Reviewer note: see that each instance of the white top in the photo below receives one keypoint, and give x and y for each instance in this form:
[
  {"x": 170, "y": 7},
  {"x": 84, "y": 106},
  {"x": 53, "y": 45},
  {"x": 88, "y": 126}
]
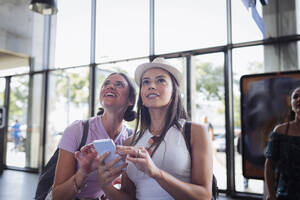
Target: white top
[{"x": 171, "y": 156}]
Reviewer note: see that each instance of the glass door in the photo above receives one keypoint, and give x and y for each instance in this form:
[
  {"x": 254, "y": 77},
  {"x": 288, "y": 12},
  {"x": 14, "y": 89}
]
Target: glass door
[
  {"x": 2, "y": 116},
  {"x": 17, "y": 122}
]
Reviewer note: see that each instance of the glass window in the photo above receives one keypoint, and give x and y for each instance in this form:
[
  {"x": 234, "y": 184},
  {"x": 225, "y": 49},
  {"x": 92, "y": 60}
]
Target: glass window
[
  {"x": 73, "y": 33},
  {"x": 17, "y": 137},
  {"x": 208, "y": 106},
  {"x": 122, "y": 30},
  {"x": 190, "y": 24},
  {"x": 268, "y": 58},
  {"x": 2, "y": 91},
  {"x": 244, "y": 64},
  {"x": 244, "y": 27},
  {"x": 68, "y": 95},
  {"x": 279, "y": 18},
  {"x": 35, "y": 131}
]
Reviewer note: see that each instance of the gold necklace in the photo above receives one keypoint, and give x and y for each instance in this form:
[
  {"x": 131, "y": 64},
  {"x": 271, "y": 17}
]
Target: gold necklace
[{"x": 155, "y": 132}]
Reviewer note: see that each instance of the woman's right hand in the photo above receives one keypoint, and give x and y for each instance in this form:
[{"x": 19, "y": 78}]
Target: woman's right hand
[
  {"x": 106, "y": 172},
  {"x": 86, "y": 158}
]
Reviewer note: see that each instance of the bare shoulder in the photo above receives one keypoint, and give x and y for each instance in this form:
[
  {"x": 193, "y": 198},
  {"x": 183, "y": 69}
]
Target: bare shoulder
[
  {"x": 280, "y": 128},
  {"x": 198, "y": 128},
  {"x": 198, "y": 132}
]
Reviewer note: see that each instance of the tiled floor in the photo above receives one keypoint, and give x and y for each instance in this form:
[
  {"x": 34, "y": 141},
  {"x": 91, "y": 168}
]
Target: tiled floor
[{"x": 19, "y": 185}]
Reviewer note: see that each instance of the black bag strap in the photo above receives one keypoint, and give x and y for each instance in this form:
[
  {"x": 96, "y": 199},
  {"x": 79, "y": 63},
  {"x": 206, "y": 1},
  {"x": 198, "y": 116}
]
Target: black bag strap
[
  {"x": 187, "y": 133},
  {"x": 85, "y": 124}
]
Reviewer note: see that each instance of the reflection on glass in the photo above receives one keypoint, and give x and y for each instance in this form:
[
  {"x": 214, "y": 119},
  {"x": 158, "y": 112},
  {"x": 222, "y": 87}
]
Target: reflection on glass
[
  {"x": 122, "y": 30},
  {"x": 203, "y": 26},
  {"x": 73, "y": 33},
  {"x": 208, "y": 106},
  {"x": 67, "y": 101},
  {"x": 17, "y": 122}
]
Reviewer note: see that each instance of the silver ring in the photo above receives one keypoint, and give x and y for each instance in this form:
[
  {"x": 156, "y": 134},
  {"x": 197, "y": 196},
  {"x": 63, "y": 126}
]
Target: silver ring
[{"x": 139, "y": 153}]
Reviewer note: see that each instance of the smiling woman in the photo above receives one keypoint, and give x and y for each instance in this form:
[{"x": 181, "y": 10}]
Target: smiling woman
[{"x": 76, "y": 175}]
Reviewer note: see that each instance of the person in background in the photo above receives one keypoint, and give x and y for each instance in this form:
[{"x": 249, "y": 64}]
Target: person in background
[
  {"x": 160, "y": 166},
  {"x": 282, "y": 166},
  {"x": 16, "y": 135},
  {"x": 209, "y": 127},
  {"x": 117, "y": 97}
]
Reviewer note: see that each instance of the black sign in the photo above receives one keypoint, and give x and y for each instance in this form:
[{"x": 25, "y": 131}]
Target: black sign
[{"x": 2, "y": 116}]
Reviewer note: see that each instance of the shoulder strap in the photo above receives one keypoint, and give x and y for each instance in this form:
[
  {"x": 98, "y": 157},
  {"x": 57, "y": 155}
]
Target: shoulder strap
[
  {"x": 287, "y": 128},
  {"x": 187, "y": 133},
  {"x": 85, "y": 124}
]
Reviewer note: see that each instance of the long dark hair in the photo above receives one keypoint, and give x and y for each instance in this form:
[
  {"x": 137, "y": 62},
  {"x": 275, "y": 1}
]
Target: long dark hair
[
  {"x": 175, "y": 112},
  {"x": 129, "y": 114},
  {"x": 292, "y": 114}
]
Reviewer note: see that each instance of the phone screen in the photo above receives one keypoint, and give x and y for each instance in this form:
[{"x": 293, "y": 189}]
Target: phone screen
[{"x": 107, "y": 145}]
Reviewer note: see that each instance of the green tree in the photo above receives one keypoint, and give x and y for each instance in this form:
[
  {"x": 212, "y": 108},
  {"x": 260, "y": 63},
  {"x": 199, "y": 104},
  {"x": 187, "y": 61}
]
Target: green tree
[
  {"x": 18, "y": 99},
  {"x": 210, "y": 81},
  {"x": 73, "y": 85}
]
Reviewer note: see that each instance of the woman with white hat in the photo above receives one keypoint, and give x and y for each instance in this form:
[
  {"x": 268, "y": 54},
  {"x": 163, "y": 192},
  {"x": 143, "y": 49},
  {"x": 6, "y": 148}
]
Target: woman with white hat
[{"x": 160, "y": 166}]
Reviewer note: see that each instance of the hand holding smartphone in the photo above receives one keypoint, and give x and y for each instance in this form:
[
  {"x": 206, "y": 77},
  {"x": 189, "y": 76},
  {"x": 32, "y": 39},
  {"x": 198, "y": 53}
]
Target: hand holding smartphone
[{"x": 105, "y": 145}]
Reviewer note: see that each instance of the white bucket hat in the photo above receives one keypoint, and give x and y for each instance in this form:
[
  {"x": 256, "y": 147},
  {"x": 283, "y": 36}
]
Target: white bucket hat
[{"x": 157, "y": 63}]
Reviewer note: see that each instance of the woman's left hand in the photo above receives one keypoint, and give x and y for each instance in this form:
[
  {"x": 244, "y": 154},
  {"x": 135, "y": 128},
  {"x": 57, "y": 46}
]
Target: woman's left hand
[{"x": 140, "y": 157}]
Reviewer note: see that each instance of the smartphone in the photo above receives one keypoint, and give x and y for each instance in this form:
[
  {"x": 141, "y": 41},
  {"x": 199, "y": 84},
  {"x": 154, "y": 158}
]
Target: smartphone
[{"x": 105, "y": 145}]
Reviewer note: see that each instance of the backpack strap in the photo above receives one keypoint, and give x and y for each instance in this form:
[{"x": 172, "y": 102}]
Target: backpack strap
[
  {"x": 85, "y": 124},
  {"x": 187, "y": 134}
]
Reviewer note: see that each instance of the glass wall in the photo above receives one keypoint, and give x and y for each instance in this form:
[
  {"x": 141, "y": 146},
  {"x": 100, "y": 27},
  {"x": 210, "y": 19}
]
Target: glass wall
[
  {"x": 190, "y": 24},
  {"x": 2, "y": 91},
  {"x": 244, "y": 64},
  {"x": 35, "y": 130},
  {"x": 73, "y": 31},
  {"x": 208, "y": 106},
  {"x": 277, "y": 18},
  {"x": 68, "y": 95},
  {"x": 17, "y": 122},
  {"x": 122, "y": 29}
]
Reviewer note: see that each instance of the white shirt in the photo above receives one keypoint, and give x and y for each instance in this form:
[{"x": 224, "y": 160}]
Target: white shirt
[{"x": 171, "y": 156}]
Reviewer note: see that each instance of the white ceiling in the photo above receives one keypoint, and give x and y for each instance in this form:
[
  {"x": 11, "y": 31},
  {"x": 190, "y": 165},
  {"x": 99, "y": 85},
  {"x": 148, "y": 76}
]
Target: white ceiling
[{"x": 9, "y": 60}]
